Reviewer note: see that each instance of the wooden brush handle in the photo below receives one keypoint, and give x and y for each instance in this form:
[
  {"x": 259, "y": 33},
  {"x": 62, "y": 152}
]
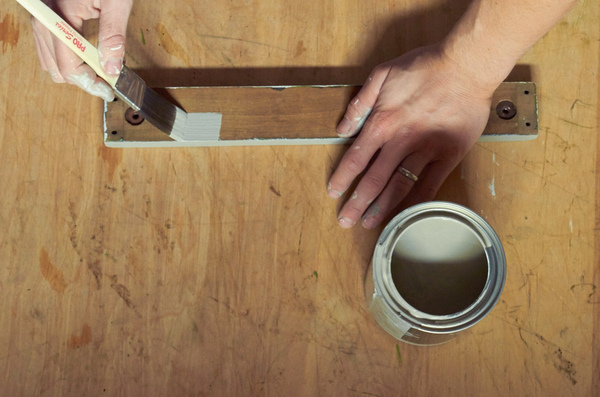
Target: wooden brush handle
[{"x": 69, "y": 36}]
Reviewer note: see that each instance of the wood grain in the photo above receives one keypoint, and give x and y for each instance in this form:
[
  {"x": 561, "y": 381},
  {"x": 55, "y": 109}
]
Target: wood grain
[{"x": 222, "y": 271}]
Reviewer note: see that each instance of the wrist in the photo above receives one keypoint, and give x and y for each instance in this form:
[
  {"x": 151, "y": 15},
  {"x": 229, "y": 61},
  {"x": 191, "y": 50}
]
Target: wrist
[
  {"x": 492, "y": 36},
  {"x": 477, "y": 60}
]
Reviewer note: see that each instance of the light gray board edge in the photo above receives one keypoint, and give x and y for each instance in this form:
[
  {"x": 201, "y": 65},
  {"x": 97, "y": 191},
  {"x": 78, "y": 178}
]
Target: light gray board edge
[
  {"x": 237, "y": 142},
  {"x": 279, "y": 142}
]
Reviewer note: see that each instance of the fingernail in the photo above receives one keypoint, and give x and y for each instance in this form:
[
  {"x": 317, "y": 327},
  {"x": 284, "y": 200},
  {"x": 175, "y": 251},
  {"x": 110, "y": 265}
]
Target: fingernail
[
  {"x": 334, "y": 194},
  {"x": 113, "y": 66},
  {"x": 368, "y": 222},
  {"x": 344, "y": 127},
  {"x": 368, "y": 219},
  {"x": 346, "y": 223}
]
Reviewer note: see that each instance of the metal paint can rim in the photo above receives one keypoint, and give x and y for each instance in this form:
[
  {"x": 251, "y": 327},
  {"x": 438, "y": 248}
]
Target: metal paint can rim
[{"x": 398, "y": 310}]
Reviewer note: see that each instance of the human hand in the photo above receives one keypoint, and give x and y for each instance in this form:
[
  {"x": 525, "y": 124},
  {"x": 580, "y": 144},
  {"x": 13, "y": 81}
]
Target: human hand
[
  {"x": 63, "y": 65},
  {"x": 420, "y": 112}
]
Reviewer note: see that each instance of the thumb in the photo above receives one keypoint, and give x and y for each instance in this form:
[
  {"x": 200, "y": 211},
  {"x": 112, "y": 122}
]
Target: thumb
[
  {"x": 114, "y": 15},
  {"x": 362, "y": 104}
]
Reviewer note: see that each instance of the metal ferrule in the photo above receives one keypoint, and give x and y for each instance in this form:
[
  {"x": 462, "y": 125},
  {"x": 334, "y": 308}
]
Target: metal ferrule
[{"x": 130, "y": 88}]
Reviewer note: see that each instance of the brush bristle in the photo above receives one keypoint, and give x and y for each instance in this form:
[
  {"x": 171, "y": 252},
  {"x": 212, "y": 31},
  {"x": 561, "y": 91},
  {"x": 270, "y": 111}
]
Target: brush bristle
[{"x": 162, "y": 114}]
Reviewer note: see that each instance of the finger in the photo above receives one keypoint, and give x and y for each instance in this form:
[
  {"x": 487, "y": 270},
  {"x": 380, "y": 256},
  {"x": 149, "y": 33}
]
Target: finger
[
  {"x": 380, "y": 125},
  {"x": 370, "y": 186},
  {"x": 354, "y": 161},
  {"x": 432, "y": 179},
  {"x": 38, "y": 48},
  {"x": 362, "y": 104},
  {"x": 74, "y": 71},
  {"x": 396, "y": 190},
  {"x": 45, "y": 51},
  {"x": 85, "y": 78},
  {"x": 40, "y": 53},
  {"x": 111, "y": 35}
]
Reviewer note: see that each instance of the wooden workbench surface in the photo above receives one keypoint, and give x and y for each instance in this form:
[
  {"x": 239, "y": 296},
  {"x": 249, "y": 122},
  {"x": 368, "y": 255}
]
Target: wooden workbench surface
[{"x": 222, "y": 271}]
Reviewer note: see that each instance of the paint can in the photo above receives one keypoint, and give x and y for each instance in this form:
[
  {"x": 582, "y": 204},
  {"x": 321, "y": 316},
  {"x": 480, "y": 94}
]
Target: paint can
[{"x": 438, "y": 268}]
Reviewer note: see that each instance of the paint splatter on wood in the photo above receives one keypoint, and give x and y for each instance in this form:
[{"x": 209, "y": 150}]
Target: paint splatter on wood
[
  {"x": 85, "y": 338},
  {"x": 53, "y": 275},
  {"x": 9, "y": 32},
  {"x": 399, "y": 354},
  {"x": 172, "y": 46},
  {"x": 112, "y": 158}
]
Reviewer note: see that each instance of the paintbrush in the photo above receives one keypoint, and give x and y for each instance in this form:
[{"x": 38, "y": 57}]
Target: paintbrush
[{"x": 128, "y": 86}]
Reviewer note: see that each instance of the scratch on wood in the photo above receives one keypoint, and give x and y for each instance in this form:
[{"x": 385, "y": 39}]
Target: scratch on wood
[
  {"x": 579, "y": 102},
  {"x": 577, "y": 125},
  {"x": 521, "y": 336},
  {"x": 208, "y": 36},
  {"x": 94, "y": 267},
  {"x": 275, "y": 191},
  {"x": 565, "y": 366},
  {"x": 123, "y": 293},
  {"x": 365, "y": 393}
]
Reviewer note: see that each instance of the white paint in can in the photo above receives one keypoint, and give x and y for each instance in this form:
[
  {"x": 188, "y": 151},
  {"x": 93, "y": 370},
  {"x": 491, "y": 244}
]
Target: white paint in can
[{"x": 438, "y": 268}]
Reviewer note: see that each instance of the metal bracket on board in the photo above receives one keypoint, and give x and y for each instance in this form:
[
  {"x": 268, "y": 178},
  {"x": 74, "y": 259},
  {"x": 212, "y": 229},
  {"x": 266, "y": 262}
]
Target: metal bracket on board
[{"x": 294, "y": 115}]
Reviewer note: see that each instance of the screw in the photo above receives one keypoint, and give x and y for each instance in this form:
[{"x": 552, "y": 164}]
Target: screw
[
  {"x": 133, "y": 117},
  {"x": 506, "y": 110}
]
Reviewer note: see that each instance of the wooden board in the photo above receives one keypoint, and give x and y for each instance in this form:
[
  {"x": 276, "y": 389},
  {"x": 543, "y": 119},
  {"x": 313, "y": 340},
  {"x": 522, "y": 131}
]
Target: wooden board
[
  {"x": 292, "y": 115},
  {"x": 221, "y": 271}
]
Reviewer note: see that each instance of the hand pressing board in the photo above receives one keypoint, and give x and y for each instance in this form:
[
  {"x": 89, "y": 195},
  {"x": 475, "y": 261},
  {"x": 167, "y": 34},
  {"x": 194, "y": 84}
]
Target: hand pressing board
[{"x": 291, "y": 115}]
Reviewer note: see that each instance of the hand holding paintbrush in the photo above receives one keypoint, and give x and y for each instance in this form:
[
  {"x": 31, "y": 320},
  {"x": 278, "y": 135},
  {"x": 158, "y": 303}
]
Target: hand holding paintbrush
[
  {"x": 106, "y": 63},
  {"x": 64, "y": 65}
]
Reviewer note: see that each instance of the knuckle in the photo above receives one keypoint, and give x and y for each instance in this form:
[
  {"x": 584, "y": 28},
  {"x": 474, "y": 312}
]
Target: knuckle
[
  {"x": 379, "y": 69},
  {"x": 354, "y": 108},
  {"x": 354, "y": 211},
  {"x": 354, "y": 164},
  {"x": 374, "y": 182},
  {"x": 382, "y": 121},
  {"x": 378, "y": 132},
  {"x": 112, "y": 41}
]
